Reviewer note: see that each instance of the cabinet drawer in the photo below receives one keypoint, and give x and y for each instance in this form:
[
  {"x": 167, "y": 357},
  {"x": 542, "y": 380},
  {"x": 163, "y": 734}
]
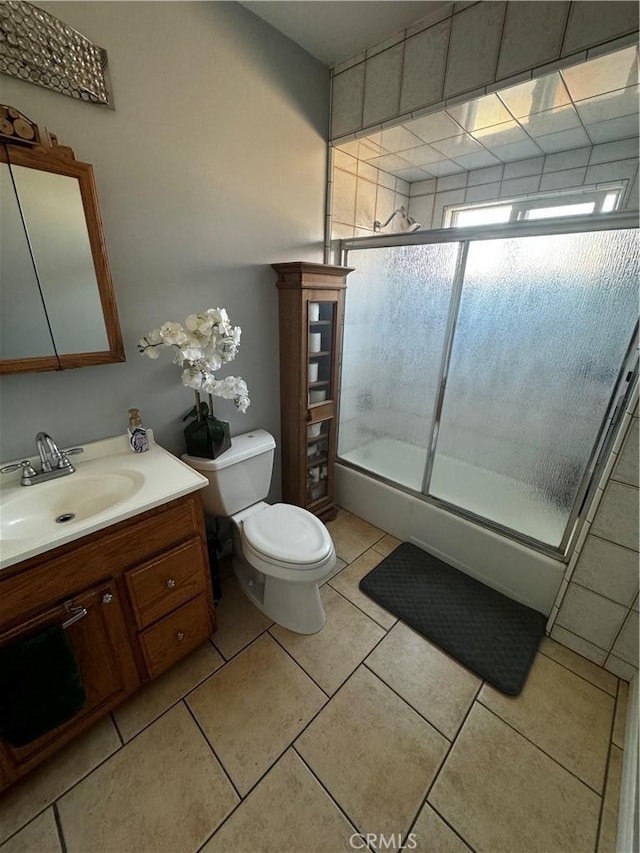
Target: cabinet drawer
[
  {"x": 175, "y": 635},
  {"x": 159, "y": 586}
]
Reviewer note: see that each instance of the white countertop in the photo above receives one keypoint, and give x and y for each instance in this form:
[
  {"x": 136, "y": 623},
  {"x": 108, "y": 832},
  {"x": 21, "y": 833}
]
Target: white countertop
[{"x": 27, "y": 513}]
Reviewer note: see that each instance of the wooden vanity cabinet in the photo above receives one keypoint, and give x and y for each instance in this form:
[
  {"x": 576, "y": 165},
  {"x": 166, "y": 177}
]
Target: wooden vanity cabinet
[
  {"x": 146, "y": 587},
  {"x": 311, "y": 299}
]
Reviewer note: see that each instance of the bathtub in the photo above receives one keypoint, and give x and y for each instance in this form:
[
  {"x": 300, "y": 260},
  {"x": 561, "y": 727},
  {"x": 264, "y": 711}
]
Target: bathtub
[{"x": 520, "y": 572}]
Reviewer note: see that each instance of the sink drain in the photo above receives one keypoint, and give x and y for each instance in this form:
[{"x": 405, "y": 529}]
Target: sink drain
[{"x": 66, "y": 516}]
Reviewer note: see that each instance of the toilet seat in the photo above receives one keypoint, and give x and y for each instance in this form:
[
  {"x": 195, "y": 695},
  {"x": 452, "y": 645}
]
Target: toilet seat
[{"x": 288, "y": 536}]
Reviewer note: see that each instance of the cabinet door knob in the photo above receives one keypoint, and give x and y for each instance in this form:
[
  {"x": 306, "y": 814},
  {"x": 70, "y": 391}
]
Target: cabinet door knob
[
  {"x": 107, "y": 598},
  {"x": 180, "y": 636},
  {"x": 171, "y": 583}
]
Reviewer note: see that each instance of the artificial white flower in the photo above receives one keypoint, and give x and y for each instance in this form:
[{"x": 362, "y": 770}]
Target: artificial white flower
[{"x": 172, "y": 333}]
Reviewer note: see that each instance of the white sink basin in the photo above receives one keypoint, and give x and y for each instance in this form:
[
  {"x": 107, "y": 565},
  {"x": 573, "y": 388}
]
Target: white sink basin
[
  {"x": 65, "y": 501},
  {"x": 110, "y": 484}
]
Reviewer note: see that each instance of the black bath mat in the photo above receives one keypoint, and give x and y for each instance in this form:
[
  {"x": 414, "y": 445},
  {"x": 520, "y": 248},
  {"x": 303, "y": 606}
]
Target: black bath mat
[{"x": 491, "y": 634}]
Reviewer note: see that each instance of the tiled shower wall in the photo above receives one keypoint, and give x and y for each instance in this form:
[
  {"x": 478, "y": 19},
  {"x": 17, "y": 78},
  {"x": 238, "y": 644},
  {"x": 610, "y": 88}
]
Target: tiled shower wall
[
  {"x": 360, "y": 194},
  {"x": 465, "y": 50},
  {"x": 598, "y": 601},
  {"x": 564, "y": 171}
]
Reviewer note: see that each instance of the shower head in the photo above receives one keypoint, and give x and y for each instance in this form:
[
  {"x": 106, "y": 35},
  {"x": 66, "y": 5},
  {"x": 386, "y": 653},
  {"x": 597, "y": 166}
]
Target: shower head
[{"x": 407, "y": 223}]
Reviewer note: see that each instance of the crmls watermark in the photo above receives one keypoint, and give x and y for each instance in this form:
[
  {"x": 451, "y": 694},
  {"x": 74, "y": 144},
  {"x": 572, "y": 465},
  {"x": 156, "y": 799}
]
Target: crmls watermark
[{"x": 360, "y": 841}]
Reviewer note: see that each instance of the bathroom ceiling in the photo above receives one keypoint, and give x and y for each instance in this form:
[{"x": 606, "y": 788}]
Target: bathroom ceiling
[
  {"x": 335, "y": 30},
  {"x": 587, "y": 104}
]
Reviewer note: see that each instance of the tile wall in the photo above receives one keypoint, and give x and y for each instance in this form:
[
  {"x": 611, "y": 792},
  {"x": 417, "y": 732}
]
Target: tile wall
[
  {"x": 596, "y": 612},
  {"x": 429, "y": 65},
  {"x": 563, "y": 171}
]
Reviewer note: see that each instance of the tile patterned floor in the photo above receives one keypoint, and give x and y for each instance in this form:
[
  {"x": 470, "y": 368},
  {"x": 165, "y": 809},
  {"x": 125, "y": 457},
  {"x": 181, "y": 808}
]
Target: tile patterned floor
[{"x": 264, "y": 740}]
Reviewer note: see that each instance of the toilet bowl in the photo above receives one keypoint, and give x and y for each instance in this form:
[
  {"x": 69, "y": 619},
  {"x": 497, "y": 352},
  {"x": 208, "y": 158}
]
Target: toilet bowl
[{"x": 281, "y": 552}]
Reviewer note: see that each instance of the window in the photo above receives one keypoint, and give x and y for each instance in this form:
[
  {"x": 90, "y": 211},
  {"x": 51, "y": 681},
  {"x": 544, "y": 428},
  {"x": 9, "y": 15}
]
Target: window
[{"x": 540, "y": 206}]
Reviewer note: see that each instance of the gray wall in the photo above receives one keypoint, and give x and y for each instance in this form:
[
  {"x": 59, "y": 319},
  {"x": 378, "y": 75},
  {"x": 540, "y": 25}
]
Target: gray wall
[{"x": 211, "y": 167}]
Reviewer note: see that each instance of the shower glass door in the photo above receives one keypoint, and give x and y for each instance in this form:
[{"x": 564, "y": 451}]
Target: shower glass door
[
  {"x": 396, "y": 313},
  {"x": 481, "y": 371},
  {"x": 542, "y": 330}
]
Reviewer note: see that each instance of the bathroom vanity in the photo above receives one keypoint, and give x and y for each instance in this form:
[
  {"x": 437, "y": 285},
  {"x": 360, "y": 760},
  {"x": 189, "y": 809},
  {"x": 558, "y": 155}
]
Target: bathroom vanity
[{"x": 133, "y": 593}]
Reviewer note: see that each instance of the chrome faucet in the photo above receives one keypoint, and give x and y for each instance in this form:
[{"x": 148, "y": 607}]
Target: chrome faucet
[{"x": 53, "y": 462}]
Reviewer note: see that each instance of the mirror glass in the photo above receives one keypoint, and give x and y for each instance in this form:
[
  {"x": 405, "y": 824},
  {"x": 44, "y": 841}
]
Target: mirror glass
[
  {"x": 23, "y": 333},
  {"x": 55, "y": 222}
]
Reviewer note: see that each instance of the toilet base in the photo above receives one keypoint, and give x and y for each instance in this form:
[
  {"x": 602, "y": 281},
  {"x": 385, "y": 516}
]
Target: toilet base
[{"x": 293, "y": 605}]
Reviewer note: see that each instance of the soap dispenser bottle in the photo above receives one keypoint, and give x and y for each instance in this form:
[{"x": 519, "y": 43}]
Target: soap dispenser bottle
[{"x": 138, "y": 438}]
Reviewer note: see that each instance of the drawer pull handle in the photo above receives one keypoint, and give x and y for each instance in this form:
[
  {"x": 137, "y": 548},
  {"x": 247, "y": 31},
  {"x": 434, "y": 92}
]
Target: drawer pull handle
[
  {"x": 180, "y": 636},
  {"x": 107, "y": 598},
  {"x": 171, "y": 583}
]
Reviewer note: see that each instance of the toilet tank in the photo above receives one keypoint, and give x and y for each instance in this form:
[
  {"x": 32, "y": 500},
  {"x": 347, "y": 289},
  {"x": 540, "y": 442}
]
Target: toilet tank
[{"x": 240, "y": 477}]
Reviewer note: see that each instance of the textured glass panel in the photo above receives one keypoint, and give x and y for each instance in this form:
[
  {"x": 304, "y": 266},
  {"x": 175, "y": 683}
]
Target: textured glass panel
[
  {"x": 542, "y": 331},
  {"x": 395, "y": 321}
]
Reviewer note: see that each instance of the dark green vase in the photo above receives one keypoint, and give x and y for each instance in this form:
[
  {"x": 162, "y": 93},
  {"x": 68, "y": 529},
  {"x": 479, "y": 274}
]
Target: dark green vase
[{"x": 206, "y": 436}]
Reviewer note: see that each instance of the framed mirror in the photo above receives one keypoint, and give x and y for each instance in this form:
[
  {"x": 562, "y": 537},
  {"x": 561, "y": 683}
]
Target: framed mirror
[{"x": 57, "y": 305}]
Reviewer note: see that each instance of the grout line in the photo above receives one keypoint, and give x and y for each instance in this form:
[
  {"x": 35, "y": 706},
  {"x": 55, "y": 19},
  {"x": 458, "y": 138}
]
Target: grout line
[
  {"x": 324, "y": 787},
  {"x": 299, "y": 665},
  {"x": 564, "y": 31},
  {"x": 115, "y": 725},
  {"x": 568, "y": 668},
  {"x": 501, "y": 42},
  {"x": 437, "y": 773},
  {"x": 360, "y": 608},
  {"x": 539, "y": 748},
  {"x": 606, "y": 771},
  {"x": 56, "y": 815},
  {"x": 209, "y": 744},
  {"x": 611, "y": 541},
  {"x": 602, "y": 595}
]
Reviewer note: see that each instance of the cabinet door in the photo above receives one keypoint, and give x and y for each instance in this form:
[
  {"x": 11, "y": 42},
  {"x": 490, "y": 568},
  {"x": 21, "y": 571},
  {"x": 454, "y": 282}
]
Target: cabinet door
[{"x": 101, "y": 646}]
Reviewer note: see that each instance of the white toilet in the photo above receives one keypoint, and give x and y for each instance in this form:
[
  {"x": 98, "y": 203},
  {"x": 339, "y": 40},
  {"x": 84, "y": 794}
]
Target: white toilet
[{"x": 280, "y": 552}]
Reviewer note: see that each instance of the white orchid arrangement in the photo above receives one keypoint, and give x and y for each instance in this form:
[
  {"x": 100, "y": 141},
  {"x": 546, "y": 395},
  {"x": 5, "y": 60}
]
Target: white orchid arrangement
[{"x": 203, "y": 344}]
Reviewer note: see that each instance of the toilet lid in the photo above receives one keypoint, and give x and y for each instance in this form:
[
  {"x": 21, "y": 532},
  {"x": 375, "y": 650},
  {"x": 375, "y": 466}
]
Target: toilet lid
[{"x": 288, "y": 534}]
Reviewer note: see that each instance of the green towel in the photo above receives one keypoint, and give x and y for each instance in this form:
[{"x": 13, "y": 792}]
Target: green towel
[{"x": 40, "y": 685}]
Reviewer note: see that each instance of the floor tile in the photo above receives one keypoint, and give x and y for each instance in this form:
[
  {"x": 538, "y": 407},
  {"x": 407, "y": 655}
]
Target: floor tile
[
  {"x": 347, "y": 584},
  {"x": 253, "y": 708},
  {"x": 609, "y": 821},
  {"x": 239, "y": 622},
  {"x": 352, "y": 535},
  {"x": 386, "y": 545},
  {"x": 566, "y": 716},
  {"x": 339, "y": 566},
  {"x": 39, "y": 836},
  {"x": 430, "y": 834},
  {"x": 433, "y": 683},
  {"x": 373, "y": 753},
  {"x": 164, "y": 791},
  {"x": 39, "y": 789},
  {"x": 620, "y": 722},
  {"x": 287, "y": 811},
  {"x": 157, "y": 696},
  {"x": 581, "y": 666},
  {"x": 496, "y": 788},
  {"x": 331, "y": 655}
]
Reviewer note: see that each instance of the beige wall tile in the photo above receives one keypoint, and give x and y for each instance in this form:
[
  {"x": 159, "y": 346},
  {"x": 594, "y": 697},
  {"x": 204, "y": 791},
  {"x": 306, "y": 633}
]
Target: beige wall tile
[
  {"x": 595, "y": 23},
  {"x": 577, "y": 644},
  {"x": 252, "y": 709},
  {"x": 591, "y": 616},
  {"x": 344, "y": 196},
  {"x": 480, "y": 26},
  {"x": 425, "y": 57},
  {"x": 626, "y": 645},
  {"x": 365, "y": 203},
  {"x": 620, "y": 721},
  {"x": 347, "y": 584},
  {"x": 430, "y": 834},
  {"x": 352, "y": 535},
  {"x": 373, "y": 753},
  {"x": 331, "y": 655},
  {"x": 626, "y": 470},
  {"x": 580, "y": 665},
  {"x": 347, "y": 92},
  {"x": 239, "y": 622},
  {"x": 495, "y": 787},
  {"x": 608, "y": 569},
  {"x": 620, "y": 667},
  {"x": 157, "y": 696},
  {"x": 609, "y": 821},
  {"x": 26, "y": 798},
  {"x": 433, "y": 683},
  {"x": 288, "y": 810},
  {"x": 532, "y": 35},
  {"x": 382, "y": 85},
  {"x": 39, "y": 836},
  {"x": 163, "y": 791},
  {"x": 567, "y": 717}
]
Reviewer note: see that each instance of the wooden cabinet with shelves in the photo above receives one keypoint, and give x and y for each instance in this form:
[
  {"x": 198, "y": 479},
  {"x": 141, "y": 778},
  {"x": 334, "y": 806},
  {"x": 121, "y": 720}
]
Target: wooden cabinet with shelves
[
  {"x": 141, "y": 592},
  {"x": 311, "y": 299}
]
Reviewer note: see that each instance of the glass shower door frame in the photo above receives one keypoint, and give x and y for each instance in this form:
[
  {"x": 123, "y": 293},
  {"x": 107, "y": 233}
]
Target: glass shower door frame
[{"x": 626, "y": 380}]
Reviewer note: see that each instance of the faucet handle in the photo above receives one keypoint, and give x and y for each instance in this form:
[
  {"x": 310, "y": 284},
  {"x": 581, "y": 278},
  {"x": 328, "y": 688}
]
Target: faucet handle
[
  {"x": 63, "y": 461},
  {"x": 72, "y": 451},
  {"x": 28, "y": 470}
]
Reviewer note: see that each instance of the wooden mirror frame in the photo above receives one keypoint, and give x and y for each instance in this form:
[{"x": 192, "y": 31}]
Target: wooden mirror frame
[{"x": 46, "y": 155}]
